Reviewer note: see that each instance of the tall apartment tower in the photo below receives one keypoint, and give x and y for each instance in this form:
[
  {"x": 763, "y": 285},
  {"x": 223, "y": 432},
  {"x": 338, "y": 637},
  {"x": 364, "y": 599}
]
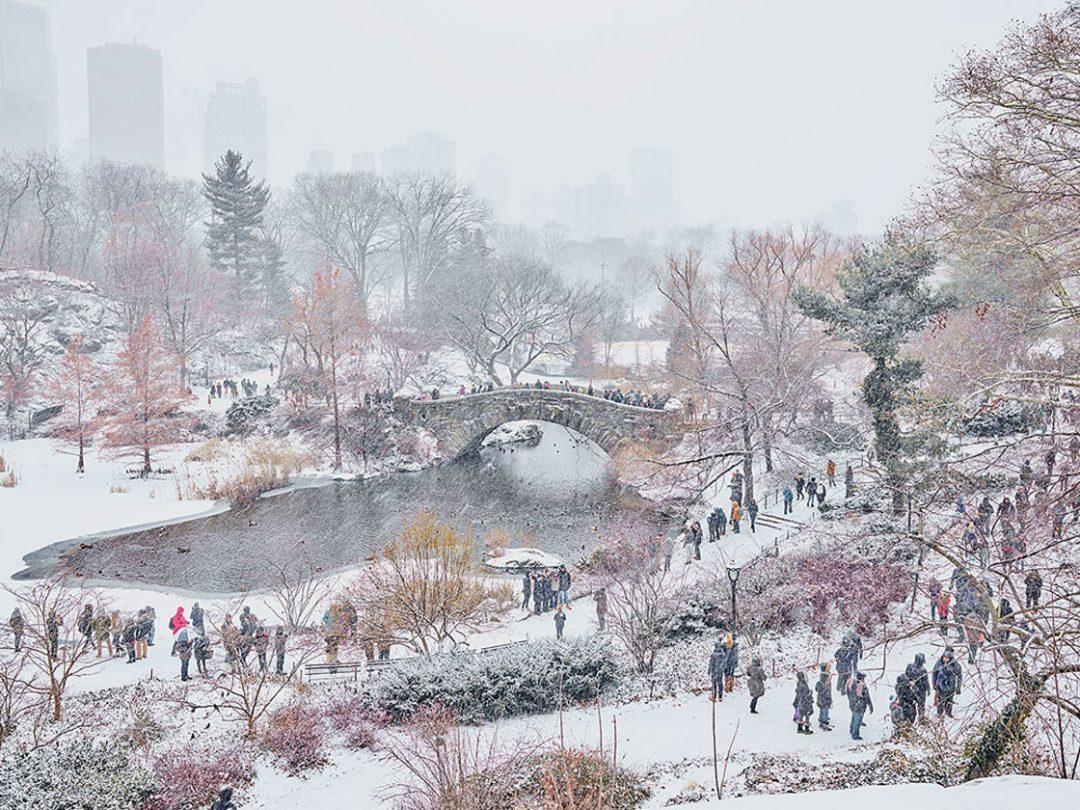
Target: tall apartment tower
[
  {"x": 28, "y": 108},
  {"x": 127, "y": 109},
  {"x": 236, "y": 119}
]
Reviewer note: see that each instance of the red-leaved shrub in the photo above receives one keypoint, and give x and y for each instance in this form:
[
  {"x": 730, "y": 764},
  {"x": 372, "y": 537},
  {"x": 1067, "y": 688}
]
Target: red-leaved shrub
[
  {"x": 296, "y": 737},
  {"x": 189, "y": 777},
  {"x": 345, "y": 713}
]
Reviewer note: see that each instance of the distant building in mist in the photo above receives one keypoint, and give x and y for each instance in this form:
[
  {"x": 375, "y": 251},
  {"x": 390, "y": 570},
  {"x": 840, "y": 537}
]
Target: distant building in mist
[
  {"x": 320, "y": 161},
  {"x": 596, "y": 209},
  {"x": 493, "y": 184},
  {"x": 236, "y": 119},
  {"x": 843, "y": 220},
  {"x": 28, "y": 107},
  {"x": 652, "y": 186},
  {"x": 127, "y": 108},
  {"x": 362, "y": 162},
  {"x": 424, "y": 151}
]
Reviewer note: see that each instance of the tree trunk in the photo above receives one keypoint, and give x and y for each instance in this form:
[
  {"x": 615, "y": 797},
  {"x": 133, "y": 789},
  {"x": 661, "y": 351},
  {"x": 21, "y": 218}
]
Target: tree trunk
[
  {"x": 748, "y": 460},
  {"x": 82, "y": 466},
  {"x": 1005, "y": 731}
]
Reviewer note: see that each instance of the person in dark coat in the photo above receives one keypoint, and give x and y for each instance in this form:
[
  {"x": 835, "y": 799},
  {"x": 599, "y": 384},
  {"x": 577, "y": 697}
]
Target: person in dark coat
[
  {"x": 224, "y": 799},
  {"x": 811, "y": 491},
  {"x": 526, "y": 590},
  {"x": 85, "y": 624},
  {"x": 717, "y": 664},
  {"x": 905, "y": 695},
  {"x": 713, "y": 522},
  {"x": 18, "y": 627},
  {"x": 564, "y": 582},
  {"x": 201, "y": 650},
  {"x": 280, "y": 637},
  {"x": 789, "y": 499},
  {"x": 752, "y": 511},
  {"x": 800, "y": 483},
  {"x": 755, "y": 678},
  {"x": 262, "y": 645},
  {"x": 538, "y": 594},
  {"x": 947, "y": 679},
  {"x": 600, "y": 597},
  {"x": 52, "y": 633},
  {"x": 183, "y": 647},
  {"x": 823, "y": 690},
  {"x": 1032, "y": 589},
  {"x": 731, "y": 662},
  {"x": 859, "y": 701},
  {"x": 920, "y": 682},
  {"x": 198, "y": 619},
  {"x": 844, "y": 665},
  {"x": 560, "y": 621},
  {"x": 129, "y": 640},
  {"x": 803, "y": 704}
]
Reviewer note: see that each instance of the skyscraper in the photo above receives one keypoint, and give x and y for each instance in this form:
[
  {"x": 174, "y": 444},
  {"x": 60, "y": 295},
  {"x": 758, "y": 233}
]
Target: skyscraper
[
  {"x": 236, "y": 119},
  {"x": 424, "y": 151},
  {"x": 363, "y": 162},
  {"x": 493, "y": 184},
  {"x": 28, "y": 109},
  {"x": 320, "y": 161},
  {"x": 127, "y": 109},
  {"x": 651, "y": 186}
]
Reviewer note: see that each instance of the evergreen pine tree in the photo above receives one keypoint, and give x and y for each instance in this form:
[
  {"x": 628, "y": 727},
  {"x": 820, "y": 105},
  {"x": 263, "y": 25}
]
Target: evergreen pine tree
[
  {"x": 234, "y": 236},
  {"x": 884, "y": 299}
]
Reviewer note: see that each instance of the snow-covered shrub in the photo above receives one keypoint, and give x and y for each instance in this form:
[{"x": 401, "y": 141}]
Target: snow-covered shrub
[
  {"x": 1003, "y": 418},
  {"x": 523, "y": 679},
  {"x": 831, "y": 437},
  {"x": 347, "y": 713},
  {"x": 73, "y": 775},
  {"x": 244, "y": 415},
  {"x": 568, "y": 778},
  {"x": 189, "y": 776},
  {"x": 296, "y": 737}
]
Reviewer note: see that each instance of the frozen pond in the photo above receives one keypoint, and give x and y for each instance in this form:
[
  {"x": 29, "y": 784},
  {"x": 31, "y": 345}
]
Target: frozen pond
[{"x": 552, "y": 496}]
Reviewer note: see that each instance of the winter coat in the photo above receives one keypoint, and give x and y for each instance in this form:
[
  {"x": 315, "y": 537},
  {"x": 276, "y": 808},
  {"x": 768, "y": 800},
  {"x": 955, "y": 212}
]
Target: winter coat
[
  {"x": 732, "y": 660},
  {"x": 178, "y": 622},
  {"x": 859, "y": 697},
  {"x": 526, "y": 586},
  {"x": 85, "y": 622},
  {"x": 129, "y": 634},
  {"x": 279, "y": 643},
  {"x": 947, "y": 677},
  {"x": 843, "y": 656},
  {"x": 16, "y": 621},
  {"x": 756, "y": 678},
  {"x": 224, "y": 800},
  {"x": 560, "y": 621},
  {"x": 184, "y": 645},
  {"x": 197, "y": 616},
  {"x": 752, "y": 510},
  {"x": 905, "y": 695},
  {"x": 718, "y": 662},
  {"x": 789, "y": 496},
  {"x": 823, "y": 688},
  {"x": 564, "y": 580},
  {"x": 917, "y": 675},
  {"x": 736, "y": 512},
  {"x": 804, "y": 700}
]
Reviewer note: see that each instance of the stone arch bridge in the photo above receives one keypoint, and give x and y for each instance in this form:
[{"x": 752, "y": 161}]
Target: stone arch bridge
[{"x": 460, "y": 423}]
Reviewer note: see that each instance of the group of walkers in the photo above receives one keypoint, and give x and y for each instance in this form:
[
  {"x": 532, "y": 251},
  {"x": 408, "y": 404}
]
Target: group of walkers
[
  {"x": 907, "y": 705},
  {"x": 639, "y": 399},
  {"x": 232, "y": 389},
  {"x": 111, "y": 634},
  {"x": 341, "y": 624},
  {"x": 548, "y": 589}
]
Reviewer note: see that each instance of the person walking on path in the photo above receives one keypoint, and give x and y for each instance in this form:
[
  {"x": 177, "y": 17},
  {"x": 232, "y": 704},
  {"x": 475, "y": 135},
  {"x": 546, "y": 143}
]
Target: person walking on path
[
  {"x": 755, "y": 676},
  {"x": 721, "y": 521},
  {"x": 811, "y": 491},
  {"x": 859, "y": 701},
  {"x": 564, "y": 586},
  {"x": 537, "y": 594},
  {"x": 752, "y": 511},
  {"x": 823, "y": 690},
  {"x": 713, "y": 522},
  {"x": 731, "y": 662},
  {"x": 1032, "y": 589},
  {"x": 183, "y": 649},
  {"x": 803, "y": 704},
  {"x": 197, "y": 618},
  {"x": 944, "y": 598},
  {"x": 830, "y": 472},
  {"x": 920, "y": 683},
  {"x": 717, "y": 664},
  {"x": 736, "y": 516},
  {"x": 560, "y": 621},
  {"x": 800, "y": 484},
  {"x": 201, "y": 650},
  {"x": 526, "y": 590},
  {"x": 600, "y": 597},
  {"x": 947, "y": 679},
  {"x": 18, "y": 627},
  {"x": 789, "y": 498},
  {"x": 280, "y": 638}
]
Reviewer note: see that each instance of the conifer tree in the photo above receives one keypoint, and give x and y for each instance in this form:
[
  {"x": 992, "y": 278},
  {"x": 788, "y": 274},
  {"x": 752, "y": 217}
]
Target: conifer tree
[
  {"x": 884, "y": 299},
  {"x": 234, "y": 236}
]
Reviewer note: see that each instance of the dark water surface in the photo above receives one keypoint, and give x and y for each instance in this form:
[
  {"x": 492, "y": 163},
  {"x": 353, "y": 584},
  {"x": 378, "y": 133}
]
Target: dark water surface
[{"x": 552, "y": 496}]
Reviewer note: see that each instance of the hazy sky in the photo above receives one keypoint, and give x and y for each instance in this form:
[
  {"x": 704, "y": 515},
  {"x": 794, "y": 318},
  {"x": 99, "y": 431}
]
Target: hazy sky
[{"x": 772, "y": 109}]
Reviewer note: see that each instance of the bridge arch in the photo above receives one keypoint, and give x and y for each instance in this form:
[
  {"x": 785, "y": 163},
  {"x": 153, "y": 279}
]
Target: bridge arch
[{"x": 460, "y": 423}]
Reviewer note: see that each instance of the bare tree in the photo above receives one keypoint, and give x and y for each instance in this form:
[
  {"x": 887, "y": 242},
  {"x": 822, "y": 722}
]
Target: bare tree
[
  {"x": 513, "y": 311},
  {"x": 54, "y": 645},
  {"x": 347, "y": 219},
  {"x": 431, "y": 213},
  {"x": 298, "y": 587}
]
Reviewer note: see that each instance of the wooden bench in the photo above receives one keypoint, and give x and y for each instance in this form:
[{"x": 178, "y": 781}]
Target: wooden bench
[{"x": 346, "y": 669}]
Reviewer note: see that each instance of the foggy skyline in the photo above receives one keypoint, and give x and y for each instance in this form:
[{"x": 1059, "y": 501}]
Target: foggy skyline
[{"x": 770, "y": 112}]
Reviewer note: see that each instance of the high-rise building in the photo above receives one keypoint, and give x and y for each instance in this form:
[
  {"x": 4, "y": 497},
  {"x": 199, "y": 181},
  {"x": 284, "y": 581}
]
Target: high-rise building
[
  {"x": 493, "y": 184},
  {"x": 651, "y": 186},
  {"x": 843, "y": 219},
  {"x": 28, "y": 109},
  {"x": 127, "y": 108},
  {"x": 599, "y": 209},
  {"x": 362, "y": 162},
  {"x": 236, "y": 119},
  {"x": 423, "y": 152},
  {"x": 320, "y": 161}
]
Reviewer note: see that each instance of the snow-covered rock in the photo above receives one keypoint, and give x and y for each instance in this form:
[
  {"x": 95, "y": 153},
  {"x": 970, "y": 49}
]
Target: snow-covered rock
[
  {"x": 523, "y": 559},
  {"x": 527, "y": 434}
]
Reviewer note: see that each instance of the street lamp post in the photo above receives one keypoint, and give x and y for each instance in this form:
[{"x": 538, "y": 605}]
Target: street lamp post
[{"x": 733, "y": 577}]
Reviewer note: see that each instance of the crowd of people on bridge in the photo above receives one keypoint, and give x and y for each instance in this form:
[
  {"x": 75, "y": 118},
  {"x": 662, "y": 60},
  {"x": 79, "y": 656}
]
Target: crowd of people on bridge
[
  {"x": 233, "y": 389},
  {"x": 617, "y": 394}
]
